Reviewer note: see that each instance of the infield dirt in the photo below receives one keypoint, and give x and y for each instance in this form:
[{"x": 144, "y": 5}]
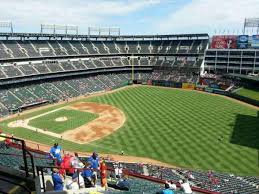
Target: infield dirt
[{"x": 110, "y": 119}]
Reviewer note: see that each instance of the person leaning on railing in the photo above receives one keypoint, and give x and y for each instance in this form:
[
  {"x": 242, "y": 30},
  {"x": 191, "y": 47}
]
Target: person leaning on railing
[
  {"x": 4, "y": 140},
  {"x": 55, "y": 153}
]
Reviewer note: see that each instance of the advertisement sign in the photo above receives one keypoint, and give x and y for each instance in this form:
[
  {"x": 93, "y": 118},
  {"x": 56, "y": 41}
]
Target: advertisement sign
[
  {"x": 224, "y": 42},
  {"x": 242, "y": 42},
  {"x": 255, "y": 41},
  {"x": 188, "y": 86}
]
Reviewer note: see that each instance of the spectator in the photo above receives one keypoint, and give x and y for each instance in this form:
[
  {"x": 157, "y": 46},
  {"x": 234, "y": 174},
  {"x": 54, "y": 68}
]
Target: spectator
[
  {"x": 167, "y": 190},
  {"x": 186, "y": 187},
  {"x": 2, "y": 139},
  {"x": 75, "y": 162},
  {"x": 55, "y": 153},
  {"x": 87, "y": 174},
  {"x": 7, "y": 142},
  {"x": 58, "y": 180},
  {"x": 190, "y": 176},
  {"x": 66, "y": 163},
  {"x": 123, "y": 184},
  {"x": 172, "y": 185},
  {"x": 94, "y": 160},
  {"x": 118, "y": 170},
  {"x": 103, "y": 170},
  {"x": 73, "y": 184}
]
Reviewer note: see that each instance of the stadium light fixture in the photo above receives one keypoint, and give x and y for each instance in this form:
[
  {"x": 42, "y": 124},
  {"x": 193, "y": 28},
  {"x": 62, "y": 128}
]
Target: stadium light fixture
[
  {"x": 57, "y": 27},
  {"x": 251, "y": 23},
  {"x": 7, "y": 25},
  {"x": 103, "y": 31}
]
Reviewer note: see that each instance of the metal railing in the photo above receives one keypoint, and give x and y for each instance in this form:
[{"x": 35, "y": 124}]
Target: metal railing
[{"x": 20, "y": 144}]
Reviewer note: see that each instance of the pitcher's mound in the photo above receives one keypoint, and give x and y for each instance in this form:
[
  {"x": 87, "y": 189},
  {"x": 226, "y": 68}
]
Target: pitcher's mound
[{"x": 61, "y": 119}]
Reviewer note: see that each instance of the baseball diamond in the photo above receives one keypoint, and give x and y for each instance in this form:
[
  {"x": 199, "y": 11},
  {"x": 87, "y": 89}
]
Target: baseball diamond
[{"x": 180, "y": 127}]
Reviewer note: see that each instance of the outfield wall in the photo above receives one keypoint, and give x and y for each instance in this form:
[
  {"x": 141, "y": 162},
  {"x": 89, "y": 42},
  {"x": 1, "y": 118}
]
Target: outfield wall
[
  {"x": 243, "y": 98},
  {"x": 193, "y": 86}
]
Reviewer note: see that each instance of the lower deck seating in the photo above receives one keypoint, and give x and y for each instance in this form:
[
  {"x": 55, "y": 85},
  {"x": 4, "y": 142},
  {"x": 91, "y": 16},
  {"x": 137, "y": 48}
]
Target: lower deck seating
[
  {"x": 213, "y": 181},
  {"x": 53, "y": 91},
  {"x": 27, "y": 70},
  {"x": 13, "y": 158}
]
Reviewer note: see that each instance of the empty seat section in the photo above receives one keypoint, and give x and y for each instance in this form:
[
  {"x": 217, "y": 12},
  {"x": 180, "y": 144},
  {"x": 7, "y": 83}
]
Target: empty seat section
[
  {"x": 67, "y": 46},
  {"x": 117, "y": 62},
  {"x": 100, "y": 47},
  {"x": 60, "y": 51},
  {"x": 23, "y": 94},
  {"x": 43, "y": 47},
  {"x": 54, "y": 67},
  {"x": 16, "y": 51},
  {"x": 111, "y": 47},
  {"x": 80, "y": 85},
  {"x": 66, "y": 89},
  {"x": 185, "y": 46},
  {"x": 79, "y": 47},
  {"x": 98, "y": 63},
  {"x": 155, "y": 45},
  {"x": 89, "y": 47},
  {"x": 9, "y": 100},
  {"x": 3, "y": 52},
  {"x": 27, "y": 69},
  {"x": 11, "y": 71},
  {"x": 67, "y": 65},
  {"x": 144, "y": 61},
  {"x": 89, "y": 64},
  {"x": 42, "y": 93},
  {"x": 144, "y": 45},
  {"x": 107, "y": 62},
  {"x": 29, "y": 48},
  {"x": 51, "y": 88},
  {"x": 121, "y": 45},
  {"x": 133, "y": 46},
  {"x": 2, "y": 75},
  {"x": 78, "y": 65},
  {"x": 42, "y": 68}
]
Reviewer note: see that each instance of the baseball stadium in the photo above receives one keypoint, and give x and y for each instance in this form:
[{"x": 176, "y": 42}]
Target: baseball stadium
[{"x": 158, "y": 111}]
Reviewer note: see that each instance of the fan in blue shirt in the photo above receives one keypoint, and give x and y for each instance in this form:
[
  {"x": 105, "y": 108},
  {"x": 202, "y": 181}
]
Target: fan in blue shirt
[
  {"x": 55, "y": 152},
  {"x": 167, "y": 190},
  {"x": 57, "y": 180}
]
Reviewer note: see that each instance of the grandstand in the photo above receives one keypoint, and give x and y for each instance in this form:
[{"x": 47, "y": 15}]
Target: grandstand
[
  {"x": 51, "y": 62},
  {"x": 39, "y": 69}
]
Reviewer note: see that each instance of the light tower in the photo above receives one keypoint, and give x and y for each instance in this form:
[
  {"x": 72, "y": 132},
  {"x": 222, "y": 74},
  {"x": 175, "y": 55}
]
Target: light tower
[
  {"x": 251, "y": 23},
  {"x": 7, "y": 25},
  {"x": 54, "y": 28}
]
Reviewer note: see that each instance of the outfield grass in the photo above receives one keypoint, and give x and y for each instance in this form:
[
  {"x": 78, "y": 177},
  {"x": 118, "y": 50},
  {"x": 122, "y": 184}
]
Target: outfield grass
[
  {"x": 74, "y": 120},
  {"x": 184, "y": 128},
  {"x": 253, "y": 94}
]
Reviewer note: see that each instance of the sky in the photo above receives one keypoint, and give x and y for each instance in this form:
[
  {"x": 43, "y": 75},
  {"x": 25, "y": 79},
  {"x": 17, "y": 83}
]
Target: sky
[{"x": 132, "y": 16}]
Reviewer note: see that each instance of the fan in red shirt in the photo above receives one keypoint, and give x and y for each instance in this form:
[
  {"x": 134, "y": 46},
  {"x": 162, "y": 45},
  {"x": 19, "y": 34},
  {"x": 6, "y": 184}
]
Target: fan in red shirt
[{"x": 66, "y": 166}]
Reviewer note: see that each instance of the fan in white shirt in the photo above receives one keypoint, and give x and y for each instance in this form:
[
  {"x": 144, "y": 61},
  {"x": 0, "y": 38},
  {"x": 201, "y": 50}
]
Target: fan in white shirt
[{"x": 186, "y": 187}]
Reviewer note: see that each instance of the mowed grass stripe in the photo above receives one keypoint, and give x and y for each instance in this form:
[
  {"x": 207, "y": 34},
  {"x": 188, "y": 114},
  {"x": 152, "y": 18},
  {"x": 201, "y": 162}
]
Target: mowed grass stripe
[
  {"x": 74, "y": 120},
  {"x": 184, "y": 128}
]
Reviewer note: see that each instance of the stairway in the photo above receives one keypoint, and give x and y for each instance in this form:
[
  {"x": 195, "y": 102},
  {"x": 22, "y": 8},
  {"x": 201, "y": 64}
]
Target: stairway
[{"x": 12, "y": 185}]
